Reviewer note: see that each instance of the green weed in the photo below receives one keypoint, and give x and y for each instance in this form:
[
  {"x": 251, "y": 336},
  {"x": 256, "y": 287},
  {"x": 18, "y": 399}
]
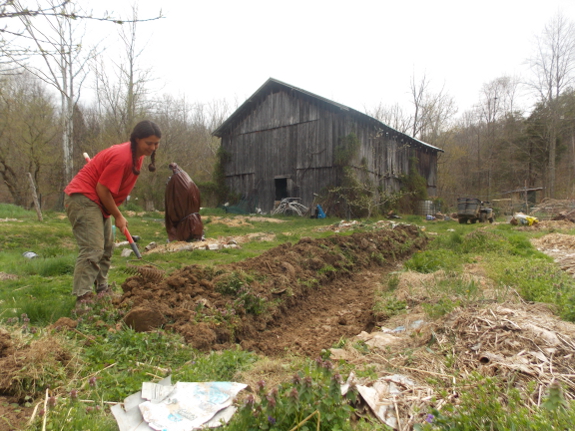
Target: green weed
[
  {"x": 236, "y": 284},
  {"x": 478, "y": 409},
  {"x": 311, "y": 400},
  {"x": 221, "y": 366},
  {"x": 387, "y": 305},
  {"x": 327, "y": 269}
]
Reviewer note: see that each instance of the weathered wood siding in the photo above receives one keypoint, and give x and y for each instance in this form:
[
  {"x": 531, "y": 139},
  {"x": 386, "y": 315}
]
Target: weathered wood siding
[{"x": 292, "y": 136}]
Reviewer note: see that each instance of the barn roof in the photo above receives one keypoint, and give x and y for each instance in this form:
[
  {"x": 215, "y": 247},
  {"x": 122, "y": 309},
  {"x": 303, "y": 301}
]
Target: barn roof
[
  {"x": 273, "y": 84},
  {"x": 523, "y": 190}
]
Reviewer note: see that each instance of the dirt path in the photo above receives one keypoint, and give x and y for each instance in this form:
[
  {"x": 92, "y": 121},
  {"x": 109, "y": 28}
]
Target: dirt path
[{"x": 341, "y": 309}]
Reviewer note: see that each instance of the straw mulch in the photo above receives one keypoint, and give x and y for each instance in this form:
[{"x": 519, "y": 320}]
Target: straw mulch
[
  {"x": 561, "y": 247},
  {"x": 516, "y": 341}
]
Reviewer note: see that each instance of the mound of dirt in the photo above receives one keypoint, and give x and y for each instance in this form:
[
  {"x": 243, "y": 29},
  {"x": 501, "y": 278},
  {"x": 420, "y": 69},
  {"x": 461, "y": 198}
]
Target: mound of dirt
[
  {"x": 297, "y": 298},
  {"x": 24, "y": 366}
]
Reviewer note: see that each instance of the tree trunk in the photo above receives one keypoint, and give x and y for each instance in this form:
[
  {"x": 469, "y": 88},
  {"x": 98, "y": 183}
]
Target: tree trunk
[{"x": 35, "y": 197}]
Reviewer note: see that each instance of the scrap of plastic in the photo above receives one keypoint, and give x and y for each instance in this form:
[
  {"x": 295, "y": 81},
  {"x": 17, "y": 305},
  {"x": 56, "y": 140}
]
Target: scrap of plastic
[
  {"x": 526, "y": 220},
  {"x": 413, "y": 325},
  {"x": 29, "y": 255},
  {"x": 381, "y": 394},
  {"x": 187, "y": 406},
  {"x": 180, "y": 407}
]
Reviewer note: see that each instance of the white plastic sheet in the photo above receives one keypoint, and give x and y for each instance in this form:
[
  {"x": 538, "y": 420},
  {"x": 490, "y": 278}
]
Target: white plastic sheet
[{"x": 180, "y": 407}]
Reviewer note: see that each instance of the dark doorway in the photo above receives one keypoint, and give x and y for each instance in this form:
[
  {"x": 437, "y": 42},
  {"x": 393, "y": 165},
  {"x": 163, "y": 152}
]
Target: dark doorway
[{"x": 281, "y": 188}]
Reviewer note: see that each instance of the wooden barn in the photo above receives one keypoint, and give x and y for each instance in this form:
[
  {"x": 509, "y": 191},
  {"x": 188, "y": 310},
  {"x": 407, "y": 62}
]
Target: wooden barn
[{"x": 283, "y": 142}]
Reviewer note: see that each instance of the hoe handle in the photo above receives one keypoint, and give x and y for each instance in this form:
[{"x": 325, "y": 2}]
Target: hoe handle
[{"x": 132, "y": 243}]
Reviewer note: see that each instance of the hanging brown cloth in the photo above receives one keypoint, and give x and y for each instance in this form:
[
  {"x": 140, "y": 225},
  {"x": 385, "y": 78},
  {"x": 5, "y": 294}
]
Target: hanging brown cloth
[{"x": 183, "y": 221}]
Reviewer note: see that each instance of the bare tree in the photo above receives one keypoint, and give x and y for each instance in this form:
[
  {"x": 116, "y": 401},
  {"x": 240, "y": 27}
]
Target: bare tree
[
  {"x": 58, "y": 43},
  {"x": 392, "y": 116},
  {"x": 27, "y": 131},
  {"x": 122, "y": 97},
  {"x": 62, "y": 9},
  {"x": 418, "y": 94},
  {"x": 431, "y": 111},
  {"x": 553, "y": 71},
  {"x": 497, "y": 99}
]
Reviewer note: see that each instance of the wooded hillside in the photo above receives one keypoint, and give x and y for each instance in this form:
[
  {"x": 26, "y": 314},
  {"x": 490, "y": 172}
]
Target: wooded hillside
[{"x": 491, "y": 149}]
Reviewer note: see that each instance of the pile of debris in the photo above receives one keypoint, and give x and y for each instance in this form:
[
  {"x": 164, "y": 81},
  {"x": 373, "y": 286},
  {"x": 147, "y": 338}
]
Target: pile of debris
[
  {"x": 520, "y": 343},
  {"x": 560, "y": 247},
  {"x": 556, "y": 209}
]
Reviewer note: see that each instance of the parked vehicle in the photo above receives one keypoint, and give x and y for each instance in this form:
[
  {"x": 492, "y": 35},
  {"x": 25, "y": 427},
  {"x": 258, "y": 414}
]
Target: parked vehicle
[{"x": 472, "y": 210}]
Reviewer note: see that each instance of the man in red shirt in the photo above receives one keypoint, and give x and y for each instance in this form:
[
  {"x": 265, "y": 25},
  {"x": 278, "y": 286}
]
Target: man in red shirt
[{"x": 95, "y": 194}]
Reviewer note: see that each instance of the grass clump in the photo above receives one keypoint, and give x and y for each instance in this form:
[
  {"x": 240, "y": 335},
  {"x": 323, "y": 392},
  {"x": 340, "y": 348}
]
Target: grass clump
[
  {"x": 537, "y": 280},
  {"x": 430, "y": 261},
  {"x": 68, "y": 413},
  {"x": 221, "y": 366},
  {"x": 14, "y": 211},
  {"x": 237, "y": 285},
  {"x": 386, "y": 304}
]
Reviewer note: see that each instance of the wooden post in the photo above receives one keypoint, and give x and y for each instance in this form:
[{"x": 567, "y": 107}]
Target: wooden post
[
  {"x": 526, "y": 201},
  {"x": 35, "y": 197}
]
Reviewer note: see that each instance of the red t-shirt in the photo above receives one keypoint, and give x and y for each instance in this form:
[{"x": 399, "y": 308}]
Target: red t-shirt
[{"x": 112, "y": 168}]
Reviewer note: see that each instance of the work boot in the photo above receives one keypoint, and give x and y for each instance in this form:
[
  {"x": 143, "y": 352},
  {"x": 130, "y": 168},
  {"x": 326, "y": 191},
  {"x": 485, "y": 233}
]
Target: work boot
[
  {"x": 86, "y": 297},
  {"x": 103, "y": 289}
]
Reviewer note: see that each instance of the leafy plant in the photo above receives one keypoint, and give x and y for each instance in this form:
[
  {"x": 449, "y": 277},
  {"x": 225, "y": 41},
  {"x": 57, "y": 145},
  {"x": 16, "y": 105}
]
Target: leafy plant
[{"x": 313, "y": 398}]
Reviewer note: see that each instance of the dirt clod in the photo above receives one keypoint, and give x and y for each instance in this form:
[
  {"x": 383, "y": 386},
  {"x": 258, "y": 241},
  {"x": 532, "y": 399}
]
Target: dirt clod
[
  {"x": 143, "y": 319},
  {"x": 5, "y": 344},
  {"x": 64, "y": 323}
]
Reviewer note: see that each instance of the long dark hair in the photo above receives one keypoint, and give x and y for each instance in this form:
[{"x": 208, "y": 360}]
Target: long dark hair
[{"x": 143, "y": 130}]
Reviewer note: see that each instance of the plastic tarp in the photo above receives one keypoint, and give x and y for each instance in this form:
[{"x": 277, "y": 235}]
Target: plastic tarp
[
  {"x": 181, "y": 407},
  {"x": 183, "y": 221}
]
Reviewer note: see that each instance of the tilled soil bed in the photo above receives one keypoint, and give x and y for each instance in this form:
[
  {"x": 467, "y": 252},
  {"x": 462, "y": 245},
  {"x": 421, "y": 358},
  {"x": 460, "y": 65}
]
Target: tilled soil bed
[{"x": 298, "y": 298}]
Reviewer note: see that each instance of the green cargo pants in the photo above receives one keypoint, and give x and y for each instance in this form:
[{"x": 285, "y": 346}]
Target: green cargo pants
[{"x": 93, "y": 234}]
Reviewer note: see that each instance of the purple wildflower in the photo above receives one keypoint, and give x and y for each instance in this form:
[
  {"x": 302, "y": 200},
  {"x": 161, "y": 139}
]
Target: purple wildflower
[
  {"x": 271, "y": 420},
  {"x": 261, "y": 385},
  {"x": 429, "y": 418},
  {"x": 294, "y": 393}
]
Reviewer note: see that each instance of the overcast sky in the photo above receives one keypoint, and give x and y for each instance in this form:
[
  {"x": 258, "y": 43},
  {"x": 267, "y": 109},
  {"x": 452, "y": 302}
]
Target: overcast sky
[{"x": 357, "y": 53}]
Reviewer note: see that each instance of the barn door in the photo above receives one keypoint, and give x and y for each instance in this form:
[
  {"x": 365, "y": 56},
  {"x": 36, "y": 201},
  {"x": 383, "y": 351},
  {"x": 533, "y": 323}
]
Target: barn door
[{"x": 281, "y": 187}]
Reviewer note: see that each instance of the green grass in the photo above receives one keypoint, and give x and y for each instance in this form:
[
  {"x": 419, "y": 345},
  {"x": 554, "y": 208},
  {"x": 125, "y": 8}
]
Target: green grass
[
  {"x": 478, "y": 409},
  {"x": 108, "y": 363},
  {"x": 510, "y": 260}
]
